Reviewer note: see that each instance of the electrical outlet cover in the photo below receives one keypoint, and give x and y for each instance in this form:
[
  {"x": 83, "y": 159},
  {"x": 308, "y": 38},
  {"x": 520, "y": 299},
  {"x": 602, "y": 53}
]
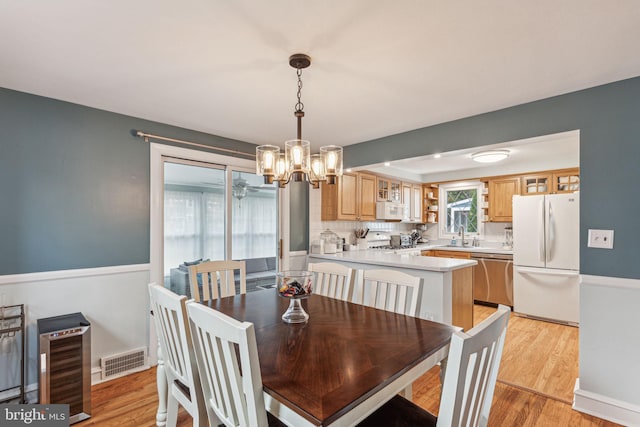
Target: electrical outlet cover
[{"x": 600, "y": 239}]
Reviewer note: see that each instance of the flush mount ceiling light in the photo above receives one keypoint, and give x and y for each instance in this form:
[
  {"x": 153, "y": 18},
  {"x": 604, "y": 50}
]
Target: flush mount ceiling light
[
  {"x": 296, "y": 162},
  {"x": 490, "y": 156}
]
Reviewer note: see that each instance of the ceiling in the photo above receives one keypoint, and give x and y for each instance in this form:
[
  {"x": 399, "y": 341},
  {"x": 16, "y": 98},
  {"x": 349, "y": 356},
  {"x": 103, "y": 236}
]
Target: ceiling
[
  {"x": 378, "y": 67},
  {"x": 545, "y": 152}
]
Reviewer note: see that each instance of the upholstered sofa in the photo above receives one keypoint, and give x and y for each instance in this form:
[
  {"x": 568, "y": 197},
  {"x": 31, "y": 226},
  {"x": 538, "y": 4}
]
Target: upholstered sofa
[{"x": 260, "y": 272}]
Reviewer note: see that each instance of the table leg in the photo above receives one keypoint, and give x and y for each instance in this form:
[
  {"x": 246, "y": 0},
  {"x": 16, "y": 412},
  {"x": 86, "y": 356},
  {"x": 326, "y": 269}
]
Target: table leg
[
  {"x": 443, "y": 371},
  {"x": 407, "y": 392},
  {"x": 161, "y": 382}
]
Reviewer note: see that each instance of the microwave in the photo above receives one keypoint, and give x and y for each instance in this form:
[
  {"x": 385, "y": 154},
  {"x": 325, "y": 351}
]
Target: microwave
[{"x": 390, "y": 211}]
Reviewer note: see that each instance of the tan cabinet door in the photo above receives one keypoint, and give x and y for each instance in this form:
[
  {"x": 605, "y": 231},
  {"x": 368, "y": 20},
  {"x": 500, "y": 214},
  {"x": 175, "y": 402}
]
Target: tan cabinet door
[
  {"x": 367, "y": 197},
  {"x": 501, "y": 191}
]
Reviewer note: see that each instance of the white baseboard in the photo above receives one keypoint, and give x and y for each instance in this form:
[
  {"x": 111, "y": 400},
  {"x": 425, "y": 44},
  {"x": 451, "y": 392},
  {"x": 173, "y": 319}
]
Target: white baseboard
[{"x": 605, "y": 407}]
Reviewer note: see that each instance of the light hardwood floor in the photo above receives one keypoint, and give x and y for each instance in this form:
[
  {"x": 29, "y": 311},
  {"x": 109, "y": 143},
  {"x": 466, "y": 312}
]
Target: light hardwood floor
[{"x": 535, "y": 383}]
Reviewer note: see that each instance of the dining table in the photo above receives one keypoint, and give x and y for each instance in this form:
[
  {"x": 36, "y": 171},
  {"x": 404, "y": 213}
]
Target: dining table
[
  {"x": 342, "y": 364},
  {"x": 335, "y": 369}
]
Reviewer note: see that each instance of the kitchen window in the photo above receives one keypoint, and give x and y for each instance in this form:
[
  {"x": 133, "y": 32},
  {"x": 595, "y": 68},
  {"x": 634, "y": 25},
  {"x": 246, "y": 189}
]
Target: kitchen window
[{"x": 459, "y": 208}]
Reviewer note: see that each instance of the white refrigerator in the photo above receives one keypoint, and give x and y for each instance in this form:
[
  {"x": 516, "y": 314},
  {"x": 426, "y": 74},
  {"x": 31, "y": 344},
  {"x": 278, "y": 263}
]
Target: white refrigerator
[{"x": 546, "y": 257}]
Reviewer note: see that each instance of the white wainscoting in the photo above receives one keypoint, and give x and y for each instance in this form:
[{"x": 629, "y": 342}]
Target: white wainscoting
[
  {"x": 608, "y": 386},
  {"x": 114, "y": 299}
]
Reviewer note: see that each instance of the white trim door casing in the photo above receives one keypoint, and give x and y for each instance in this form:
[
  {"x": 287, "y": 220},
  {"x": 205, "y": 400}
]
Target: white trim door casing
[{"x": 156, "y": 203}]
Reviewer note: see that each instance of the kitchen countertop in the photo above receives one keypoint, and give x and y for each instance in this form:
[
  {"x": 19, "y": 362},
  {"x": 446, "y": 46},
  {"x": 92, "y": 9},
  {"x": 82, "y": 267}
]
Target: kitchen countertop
[{"x": 389, "y": 259}]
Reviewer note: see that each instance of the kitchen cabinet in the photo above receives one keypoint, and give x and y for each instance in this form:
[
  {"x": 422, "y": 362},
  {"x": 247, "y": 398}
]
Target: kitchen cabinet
[
  {"x": 451, "y": 254},
  {"x": 501, "y": 191},
  {"x": 551, "y": 182},
  {"x": 406, "y": 201},
  {"x": 430, "y": 198},
  {"x": 388, "y": 190},
  {"x": 416, "y": 203},
  {"x": 566, "y": 181},
  {"x": 352, "y": 199},
  {"x": 412, "y": 200},
  {"x": 536, "y": 184}
]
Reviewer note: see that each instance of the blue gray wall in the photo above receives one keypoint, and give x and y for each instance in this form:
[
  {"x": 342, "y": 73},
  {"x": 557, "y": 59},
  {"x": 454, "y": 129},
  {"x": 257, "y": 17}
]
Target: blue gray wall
[
  {"x": 74, "y": 184},
  {"x": 608, "y": 118}
]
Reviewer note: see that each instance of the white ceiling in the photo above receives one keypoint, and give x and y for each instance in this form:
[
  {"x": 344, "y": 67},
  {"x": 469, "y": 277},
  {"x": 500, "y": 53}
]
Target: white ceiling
[
  {"x": 379, "y": 67},
  {"x": 545, "y": 152}
]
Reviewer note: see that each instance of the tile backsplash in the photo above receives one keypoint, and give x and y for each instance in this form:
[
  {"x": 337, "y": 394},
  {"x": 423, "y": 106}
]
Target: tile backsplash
[{"x": 493, "y": 231}]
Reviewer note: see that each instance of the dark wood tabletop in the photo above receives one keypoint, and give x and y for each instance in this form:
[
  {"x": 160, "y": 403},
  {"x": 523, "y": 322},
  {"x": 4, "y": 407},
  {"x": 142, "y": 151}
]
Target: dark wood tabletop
[{"x": 344, "y": 354}]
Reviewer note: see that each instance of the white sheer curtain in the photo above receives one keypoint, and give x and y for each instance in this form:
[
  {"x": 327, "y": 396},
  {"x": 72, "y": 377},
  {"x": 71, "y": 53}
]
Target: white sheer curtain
[
  {"x": 254, "y": 226},
  {"x": 194, "y": 226}
]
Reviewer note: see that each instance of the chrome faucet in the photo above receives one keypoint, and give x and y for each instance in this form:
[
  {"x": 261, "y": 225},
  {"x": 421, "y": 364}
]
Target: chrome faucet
[{"x": 461, "y": 234}]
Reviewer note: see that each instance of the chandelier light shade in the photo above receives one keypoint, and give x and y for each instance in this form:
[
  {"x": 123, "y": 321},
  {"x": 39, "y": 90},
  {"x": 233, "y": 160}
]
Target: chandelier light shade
[
  {"x": 297, "y": 154},
  {"x": 490, "y": 156},
  {"x": 267, "y": 157},
  {"x": 297, "y": 163},
  {"x": 317, "y": 171},
  {"x": 332, "y": 158}
]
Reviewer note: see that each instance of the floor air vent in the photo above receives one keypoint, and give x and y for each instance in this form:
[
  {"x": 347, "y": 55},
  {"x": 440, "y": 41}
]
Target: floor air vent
[{"x": 123, "y": 363}]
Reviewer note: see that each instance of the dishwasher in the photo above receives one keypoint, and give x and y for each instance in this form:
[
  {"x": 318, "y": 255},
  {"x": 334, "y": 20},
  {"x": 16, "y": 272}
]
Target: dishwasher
[{"x": 493, "y": 278}]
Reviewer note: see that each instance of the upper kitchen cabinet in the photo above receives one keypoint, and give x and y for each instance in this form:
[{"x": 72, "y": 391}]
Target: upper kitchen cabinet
[
  {"x": 501, "y": 191},
  {"x": 352, "y": 199},
  {"x": 388, "y": 190},
  {"x": 551, "y": 182},
  {"x": 536, "y": 184},
  {"x": 416, "y": 203},
  {"x": 566, "y": 181},
  {"x": 412, "y": 201}
]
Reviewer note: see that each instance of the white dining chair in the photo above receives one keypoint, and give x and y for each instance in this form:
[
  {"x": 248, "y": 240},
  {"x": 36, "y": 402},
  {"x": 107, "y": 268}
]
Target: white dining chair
[
  {"x": 390, "y": 290},
  {"x": 469, "y": 381},
  {"x": 227, "y": 357},
  {"x": 332, "y": 280},
  {"x": 217, "y": 279},
  {"x": 170, "y": 316}
]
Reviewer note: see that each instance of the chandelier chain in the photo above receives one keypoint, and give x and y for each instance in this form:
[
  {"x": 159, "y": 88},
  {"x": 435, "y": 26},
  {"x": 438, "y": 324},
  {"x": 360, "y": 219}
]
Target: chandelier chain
[{"x": 299, "y": 104}]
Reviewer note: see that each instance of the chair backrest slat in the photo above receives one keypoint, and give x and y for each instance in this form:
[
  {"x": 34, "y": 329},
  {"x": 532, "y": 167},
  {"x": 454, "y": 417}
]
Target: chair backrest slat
[
  {"x": 472, "y": 370},
  {"x": 217, "y": 279},
  {"x": 227, "y": 356},
  {"x": 332, "y": 280},
  {"x": 391, "y": 290},
  {"x": 172, "y": 327},
  {"x": 170, "y": 316}
]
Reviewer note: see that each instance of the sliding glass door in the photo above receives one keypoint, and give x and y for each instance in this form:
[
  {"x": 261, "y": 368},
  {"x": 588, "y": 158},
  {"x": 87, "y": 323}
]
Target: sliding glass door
[{"x": 213, "y": 212}]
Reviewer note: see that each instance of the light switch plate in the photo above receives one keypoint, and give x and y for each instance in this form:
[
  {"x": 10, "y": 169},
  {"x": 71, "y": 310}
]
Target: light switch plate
[{"x": 600, "y": 239}]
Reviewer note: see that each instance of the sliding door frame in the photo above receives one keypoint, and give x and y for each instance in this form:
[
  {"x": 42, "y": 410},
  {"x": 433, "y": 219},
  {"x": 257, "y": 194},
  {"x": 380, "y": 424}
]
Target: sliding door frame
[{"x": 158, "y": 153}]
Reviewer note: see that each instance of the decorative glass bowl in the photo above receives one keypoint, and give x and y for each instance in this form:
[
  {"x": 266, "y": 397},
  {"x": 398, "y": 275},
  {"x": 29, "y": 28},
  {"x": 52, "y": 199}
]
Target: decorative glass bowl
[{"x": 294, "y": 285}]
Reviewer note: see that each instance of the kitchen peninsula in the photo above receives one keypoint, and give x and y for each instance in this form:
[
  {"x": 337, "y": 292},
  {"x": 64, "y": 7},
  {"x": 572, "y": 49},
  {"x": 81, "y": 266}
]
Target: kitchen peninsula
[{"x": 447, "y": 290}]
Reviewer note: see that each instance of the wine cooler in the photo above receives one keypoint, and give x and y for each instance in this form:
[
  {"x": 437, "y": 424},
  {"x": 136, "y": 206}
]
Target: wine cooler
[{"x": 64, "y": 363}]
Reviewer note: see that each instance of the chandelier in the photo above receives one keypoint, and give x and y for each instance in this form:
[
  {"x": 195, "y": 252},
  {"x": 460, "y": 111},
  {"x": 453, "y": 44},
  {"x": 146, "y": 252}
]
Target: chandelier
[{"x": 297, "y": 163}]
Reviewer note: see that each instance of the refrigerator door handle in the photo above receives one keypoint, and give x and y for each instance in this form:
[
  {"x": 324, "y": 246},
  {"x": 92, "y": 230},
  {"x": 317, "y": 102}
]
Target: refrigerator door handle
[
  {"x": 551, "y": 232},
  {"x": 541, "y": 239},
  {"x": 567, "y": 273}
]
